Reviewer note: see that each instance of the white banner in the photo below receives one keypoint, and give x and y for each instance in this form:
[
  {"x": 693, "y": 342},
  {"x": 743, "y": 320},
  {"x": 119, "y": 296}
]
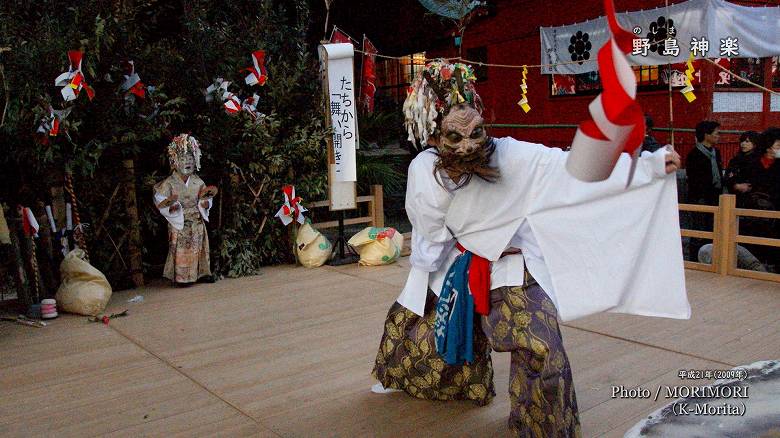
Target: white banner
[
  {"x": 706, "y": 28},
  {"x": 737, "y": 102},
  {"x": 342, "y": 104}
]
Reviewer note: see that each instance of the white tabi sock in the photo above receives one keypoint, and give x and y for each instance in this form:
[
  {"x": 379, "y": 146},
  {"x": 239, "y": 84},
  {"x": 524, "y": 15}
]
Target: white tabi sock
[{"x": 379, "y": 389}]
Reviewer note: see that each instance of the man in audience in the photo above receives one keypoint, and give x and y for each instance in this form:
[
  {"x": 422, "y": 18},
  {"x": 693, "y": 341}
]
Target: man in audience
[
  {"x": 649, "y": 144},
  {"x": 703, "y": 166},
  {"x": 705, "y": 178}
]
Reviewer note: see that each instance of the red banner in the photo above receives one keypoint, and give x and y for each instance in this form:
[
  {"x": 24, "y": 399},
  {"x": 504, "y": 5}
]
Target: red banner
[
  {"x": 368, "y": 79},
  {"x": 337, "y": 36}
]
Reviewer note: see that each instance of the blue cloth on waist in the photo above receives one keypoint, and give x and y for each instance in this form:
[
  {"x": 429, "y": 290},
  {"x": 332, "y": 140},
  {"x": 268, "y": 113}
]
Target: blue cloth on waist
[{"x": 454, "y": 327}]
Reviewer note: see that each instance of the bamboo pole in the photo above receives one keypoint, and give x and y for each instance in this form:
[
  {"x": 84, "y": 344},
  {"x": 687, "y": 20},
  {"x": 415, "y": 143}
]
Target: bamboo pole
[
  {"x": 22, "y": 283},
  {"x": 6, "y": 89},
  {"x": 47, "y": 265},
  {"x": 58, "y": 208},
  {"x": 669, "y": 79},
  {"x": 671, "y": 110},
  {"x": 134, "y": 243},
  {"x": 377, "y": 206},
  {"x": 327, "y": 19}
]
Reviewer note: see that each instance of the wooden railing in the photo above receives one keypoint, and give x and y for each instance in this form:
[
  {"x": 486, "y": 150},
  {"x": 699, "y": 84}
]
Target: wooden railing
[
  {"x": 725, "y": 237},
  {"x": 711, "y": 235},
  {"x": 376, "y": 211},
  {"x": 407, "y": 249}
]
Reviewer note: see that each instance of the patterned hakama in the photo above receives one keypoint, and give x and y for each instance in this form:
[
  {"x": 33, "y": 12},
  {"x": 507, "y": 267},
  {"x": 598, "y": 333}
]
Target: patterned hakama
[
  {"x": 407, "y": 360},
  {"x": 523, "y": 321}
]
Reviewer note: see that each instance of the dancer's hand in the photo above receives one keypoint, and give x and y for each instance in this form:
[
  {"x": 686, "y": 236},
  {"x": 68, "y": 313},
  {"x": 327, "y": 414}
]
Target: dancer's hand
[
  {"x": 167, "y": 202},
  {"x": 207, "y": 192},
  {"x": 672, "y": 160},
  {"x": 174, "y": 208},
  {"x": 204, "y": 203}
]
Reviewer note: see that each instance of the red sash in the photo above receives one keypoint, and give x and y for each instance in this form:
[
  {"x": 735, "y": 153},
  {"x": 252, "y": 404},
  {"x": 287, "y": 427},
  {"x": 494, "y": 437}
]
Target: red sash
[{"x": 479, "y": 282}]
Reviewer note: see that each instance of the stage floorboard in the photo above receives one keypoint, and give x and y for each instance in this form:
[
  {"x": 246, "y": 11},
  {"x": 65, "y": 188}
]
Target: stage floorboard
[{"x": 289, "y": 353}]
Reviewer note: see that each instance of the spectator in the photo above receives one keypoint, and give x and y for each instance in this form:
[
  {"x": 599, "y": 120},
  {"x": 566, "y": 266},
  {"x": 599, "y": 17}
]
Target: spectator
[
  {"x": 745, "y": 260},
  {"x": 739, "y": 175},
  {"x": 704, "y": 171},
  {"x": 766, "y": 171},
  {"x": 765, "y": 195},
  {"x": 650, "y": 144},
  {"x": 703, "y": 166}
]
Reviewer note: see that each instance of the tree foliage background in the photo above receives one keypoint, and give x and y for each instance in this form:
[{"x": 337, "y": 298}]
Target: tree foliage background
[{"x": 178, "y": 47}]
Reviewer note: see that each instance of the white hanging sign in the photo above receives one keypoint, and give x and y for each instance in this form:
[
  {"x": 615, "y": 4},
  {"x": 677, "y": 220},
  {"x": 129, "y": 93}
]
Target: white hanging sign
[{"x": 339, "y": 59}]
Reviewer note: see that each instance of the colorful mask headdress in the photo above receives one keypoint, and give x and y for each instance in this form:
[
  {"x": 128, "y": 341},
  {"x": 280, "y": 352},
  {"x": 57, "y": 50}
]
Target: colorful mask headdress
[
  {"x": 182, "y": 145},
  {"x": 436, "y": 89}
]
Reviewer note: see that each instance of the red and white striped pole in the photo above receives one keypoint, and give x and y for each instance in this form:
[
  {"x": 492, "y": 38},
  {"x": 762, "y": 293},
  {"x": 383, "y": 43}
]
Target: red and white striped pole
[{"x": 617, "y": 123}]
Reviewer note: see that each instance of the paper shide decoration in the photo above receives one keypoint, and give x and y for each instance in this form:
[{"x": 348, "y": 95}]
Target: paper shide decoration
[
  {"x": 72, "y": 83},
  {"x": 257, "y": 73},
  {"x": 132, "y": 84},
  {"x": 73, "y": 80},
  {"x": 136, "y": 91},
  {"x": 50, "y": 125},
  {"x": 232, "y": 102},
  {"x": 687, "y": 91},
  {"x": 219, "y": 89},
  {"x": 524, "y": 89},
  {"x": 291, "y": 210},
  {"x": 29, "y": 223},
  {"x": 249, "y": 105}
]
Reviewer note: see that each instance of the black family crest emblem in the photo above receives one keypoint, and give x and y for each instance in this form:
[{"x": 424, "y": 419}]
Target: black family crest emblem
[
  {"x": 658, "y": 31},
  {"x": 580, "y": 47}
]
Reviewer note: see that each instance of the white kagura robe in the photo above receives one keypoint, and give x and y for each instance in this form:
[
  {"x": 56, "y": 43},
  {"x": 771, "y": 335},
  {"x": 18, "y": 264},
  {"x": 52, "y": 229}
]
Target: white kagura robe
[{"x": 592, "y": 247}]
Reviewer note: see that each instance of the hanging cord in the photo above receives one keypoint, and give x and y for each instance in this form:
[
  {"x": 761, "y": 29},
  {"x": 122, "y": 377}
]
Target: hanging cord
[
  {"x": 520, "y": 67},
  {"x": 731, "y": 73},
  {"x": 468, "y": 61},
  {"x": 740, "y": 78}
]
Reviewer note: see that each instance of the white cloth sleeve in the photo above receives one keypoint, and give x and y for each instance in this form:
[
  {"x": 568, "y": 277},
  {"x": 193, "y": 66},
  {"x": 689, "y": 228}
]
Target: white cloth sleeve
[
  {"x": 175, "y": 219},
  {"x": 426, "y": 206},
  {"x": 204, "y": 212},
  {"x": 557, "y": 188},
  {"x": 427, "y": 201},
  {"x": 427, "y": 255},
  {"x": 604, "y": 244}
]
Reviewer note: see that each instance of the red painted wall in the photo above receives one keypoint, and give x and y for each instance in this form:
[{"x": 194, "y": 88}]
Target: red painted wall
[{"x": 512, "y": 37}]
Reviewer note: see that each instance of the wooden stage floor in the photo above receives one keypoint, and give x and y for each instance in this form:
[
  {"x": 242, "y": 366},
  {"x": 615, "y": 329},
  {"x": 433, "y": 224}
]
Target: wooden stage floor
[{"x": 289, "y": 353}]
